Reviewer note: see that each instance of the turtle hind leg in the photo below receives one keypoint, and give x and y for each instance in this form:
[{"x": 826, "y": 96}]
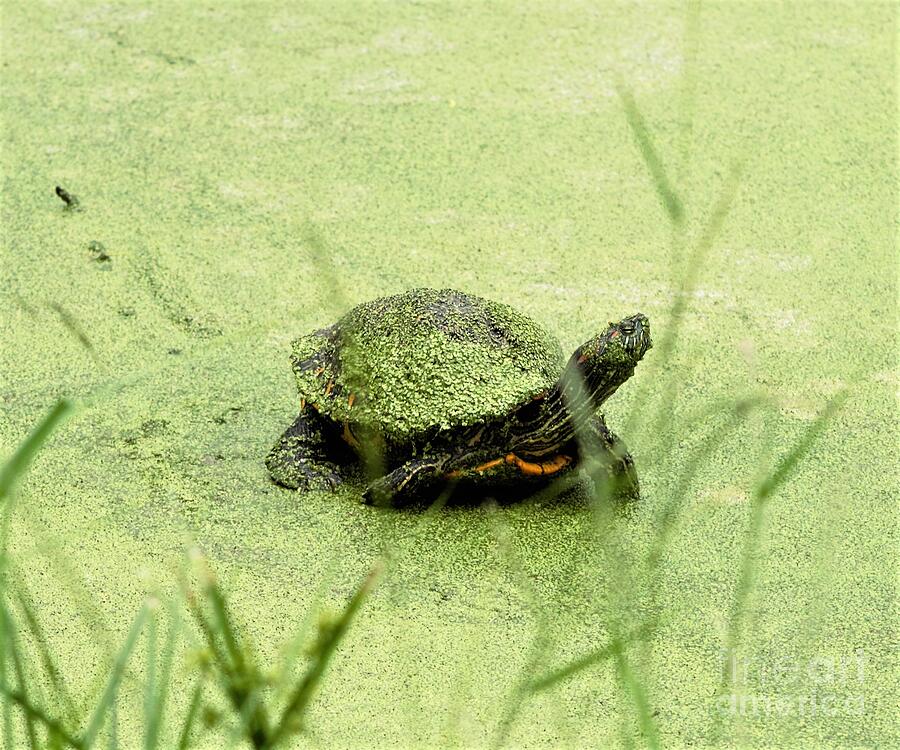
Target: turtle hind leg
[
  {"x": 300, "y": 459},
  {"x": 617, "y": 477},
  {"x": 406, "y": 483}
]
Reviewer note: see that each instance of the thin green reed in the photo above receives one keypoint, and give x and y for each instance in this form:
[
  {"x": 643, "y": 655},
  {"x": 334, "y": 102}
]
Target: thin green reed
[
  {"x": 190, "y": 719},
  {"x": 240, "y": 677},
  {"x": 159, "y": 672},
  {"x": 14, "y": 648},
  {"x": 652, "y": 158},
  {"x": 675, "y": 211},
  {"x": 10, "y": 474},
  {"x": 750, "y": 553},
  {"x": 605, "y": 490},
  {"x": 602, "y": 492},
  {"x": 734, "y": 414},
  {"x": 110, "y": 693},
  {"x": 26, "y": 608},
  {"x": 330, "y": 635},
  {"x": 321, "y": 257},
  {"x": 16, "y": 466},
  {"x": 22, "y": 679},
  {"x": 540, "y": 642}
]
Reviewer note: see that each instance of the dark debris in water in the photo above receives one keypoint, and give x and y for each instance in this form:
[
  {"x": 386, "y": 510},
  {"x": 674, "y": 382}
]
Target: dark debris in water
[
  {"x": 71, "y": 201},
  {"x": 98, "y": 250},
  {"x": 227, "y": 414}
]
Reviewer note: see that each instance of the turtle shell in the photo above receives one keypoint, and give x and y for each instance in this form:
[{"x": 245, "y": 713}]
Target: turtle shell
[{"x": 425, "y": 359}]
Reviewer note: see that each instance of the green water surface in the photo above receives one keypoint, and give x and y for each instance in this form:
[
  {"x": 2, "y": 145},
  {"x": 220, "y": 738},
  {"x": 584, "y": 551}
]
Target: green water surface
[{"x": 483, "y": 147}]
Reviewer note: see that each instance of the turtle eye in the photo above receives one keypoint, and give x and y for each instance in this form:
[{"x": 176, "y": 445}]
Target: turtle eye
[{"x": 627, "y": 327}]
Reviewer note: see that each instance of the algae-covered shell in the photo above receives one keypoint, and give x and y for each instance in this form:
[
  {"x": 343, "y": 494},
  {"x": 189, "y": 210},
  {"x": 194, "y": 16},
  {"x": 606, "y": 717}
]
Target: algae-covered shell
[{"x": 423, "y": 359}]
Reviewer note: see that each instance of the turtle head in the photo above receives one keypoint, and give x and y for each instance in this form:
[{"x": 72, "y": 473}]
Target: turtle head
[{"x": 606, "y": 361}]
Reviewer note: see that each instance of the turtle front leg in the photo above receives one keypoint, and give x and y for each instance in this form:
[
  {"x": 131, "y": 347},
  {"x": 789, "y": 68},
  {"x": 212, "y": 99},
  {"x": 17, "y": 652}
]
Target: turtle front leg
[
  {"x": 300, "y": 459},
  {"x": 405, "y": 483},
  {"x": 620, "y": 480}
]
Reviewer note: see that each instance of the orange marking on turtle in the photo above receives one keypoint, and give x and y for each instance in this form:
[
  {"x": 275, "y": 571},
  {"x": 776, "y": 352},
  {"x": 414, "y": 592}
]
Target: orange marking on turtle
[
  {"x": 348, "y": 436},
  {"x": 552, "y": 466},
  {"x": 542, "y": 468},
  {"x": 302, "y": 404},
  {"x": 351, "y": 400},
  {"x": 489, "y": 465},
  {"x": 329, "y": 387}
]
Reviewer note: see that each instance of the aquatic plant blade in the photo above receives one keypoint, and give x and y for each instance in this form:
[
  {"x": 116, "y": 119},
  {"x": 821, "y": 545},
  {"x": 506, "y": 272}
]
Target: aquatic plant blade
[
  {"x": 11, "y": 639},
  {"x": 639, "y": 697},
  {"x": 150, "y": 689},
  {"x": 158, "y": 693},
  {"x": 74, "y": 327},
  {"x": 329, "y": 639},
  {"x": 783, "y": 471},
  {"x": 641, "y": 132},
  {"x": 239, "y": 677},
  {"x": 26, "y": 608},
  {"x": 750, "y": 552},
  {"x": 115, "y": 677},
  {"x": 187, "y": 727},
  {"x": 53, "y": 727},
  {"x": 19, "y": 462}
]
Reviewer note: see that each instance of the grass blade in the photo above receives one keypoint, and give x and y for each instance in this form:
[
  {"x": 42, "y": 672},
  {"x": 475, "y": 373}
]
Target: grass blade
[
  {"x": 26, "y": 608},
  {"x": 673, "y": 506},
  {"x": 330, "y": 636},
  {"x": 321, "y": 259},
  {"x": 689, "y": 85},
  {"x": 191, "y": 717},
  {"x": 638, "y": 695},
  {"x": 697, "y": 260},
  {"x": 572, "y": 668},
  {"x": 294, "y": 647},
  {"x": 541, "y": 640},
  {"x": 156, "y": 699},
  {"x": 150, "y": 689},
  {"x": 761, "y": 495},
  {"x": 18, "y": 463},
  {"x": 52, "y": 725},
  {"x": 669, "y": 341},
  {"x": 227, "y": 630},
  {"x": 113, "y": 743},
  {"x": 585, "y": 662},
  {"x": 12, "y": 646},
  {"x": 74, "y": 327},
  {"x": 245, "y": 680},
  {"x": 239, "y": 677},
  {"x": 115, "y": 677},
  {"x": 763, "y": 491},
  {"x": 770, "y": 484},
  {"x": 4, "y": 685},
  {"x": 638, "y": 125},
  {"x": 10, "y": 473}
]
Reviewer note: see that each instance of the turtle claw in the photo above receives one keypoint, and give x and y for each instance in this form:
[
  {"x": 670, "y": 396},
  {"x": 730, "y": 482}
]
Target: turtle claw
[
  {"x": 405, "y": 484},
  {"x": 302, "y": 475},
  {"x": 299, "y": 460},
  {"x": 324, "y": 480}
]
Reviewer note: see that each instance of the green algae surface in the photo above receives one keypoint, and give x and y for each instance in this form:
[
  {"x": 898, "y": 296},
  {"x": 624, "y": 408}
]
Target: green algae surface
[{"x": 481, "y": 147}]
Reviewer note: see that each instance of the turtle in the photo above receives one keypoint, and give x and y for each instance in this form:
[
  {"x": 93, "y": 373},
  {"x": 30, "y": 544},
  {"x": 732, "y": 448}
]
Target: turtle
[{"x": 441, "y": 386}]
